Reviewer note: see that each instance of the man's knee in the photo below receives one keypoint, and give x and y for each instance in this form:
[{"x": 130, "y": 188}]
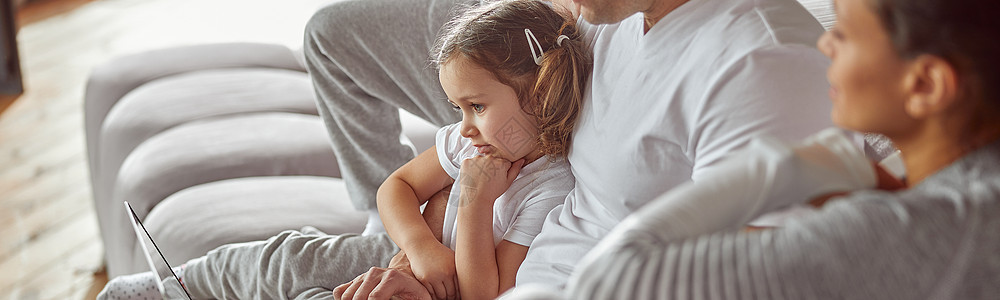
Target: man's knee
[
  {"x": 333, "y": 18},
  {"x": 284, "y": 241}
]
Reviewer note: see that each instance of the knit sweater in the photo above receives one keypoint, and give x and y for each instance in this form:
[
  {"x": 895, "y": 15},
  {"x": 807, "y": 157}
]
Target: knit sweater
[{"x": 937, "y": 240}]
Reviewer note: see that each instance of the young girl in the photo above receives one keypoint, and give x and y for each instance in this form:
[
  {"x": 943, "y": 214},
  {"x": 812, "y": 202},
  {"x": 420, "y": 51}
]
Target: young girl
[
  {"x": 516, "y": 70},
  {"x": 924, "y": 73}
]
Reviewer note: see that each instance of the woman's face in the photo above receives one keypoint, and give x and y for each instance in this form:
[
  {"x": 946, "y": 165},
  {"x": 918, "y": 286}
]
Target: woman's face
[
  {"x": 491, "y": 115},
  {"x": 866, "y": 75}
]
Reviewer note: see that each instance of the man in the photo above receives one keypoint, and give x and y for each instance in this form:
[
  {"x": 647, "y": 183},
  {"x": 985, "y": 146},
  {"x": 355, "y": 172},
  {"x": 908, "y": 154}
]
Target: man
[{"x": 677, "y": 85}]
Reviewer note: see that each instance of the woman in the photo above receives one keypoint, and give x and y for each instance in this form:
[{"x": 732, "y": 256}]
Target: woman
[{"x": 924, "y": 73}]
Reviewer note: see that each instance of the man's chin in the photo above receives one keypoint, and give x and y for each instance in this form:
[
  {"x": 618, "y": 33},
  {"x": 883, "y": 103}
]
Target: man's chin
[{"x": 593, "y": 17}]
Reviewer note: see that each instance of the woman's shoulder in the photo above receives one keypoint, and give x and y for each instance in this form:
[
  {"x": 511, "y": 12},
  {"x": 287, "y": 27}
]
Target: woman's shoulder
[
  {"x": 965, "y": 190},
  {"x": 976, "y": 175}
]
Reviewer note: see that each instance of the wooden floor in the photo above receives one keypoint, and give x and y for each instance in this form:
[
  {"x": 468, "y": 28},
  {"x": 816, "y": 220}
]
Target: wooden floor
[{"x": 49, "y": 243}]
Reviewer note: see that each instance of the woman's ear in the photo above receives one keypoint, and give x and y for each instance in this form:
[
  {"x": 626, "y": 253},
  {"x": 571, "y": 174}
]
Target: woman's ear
[{"x": 930, "y": 86}]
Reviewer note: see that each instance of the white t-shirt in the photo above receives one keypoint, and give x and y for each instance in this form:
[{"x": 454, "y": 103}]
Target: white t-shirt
[
  {"x": 665, "y": 106},
  {"x": 519, "y": 212}
]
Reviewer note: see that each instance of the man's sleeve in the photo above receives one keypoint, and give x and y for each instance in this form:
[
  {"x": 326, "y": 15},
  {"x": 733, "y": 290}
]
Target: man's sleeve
[
  {"x": 765, "y": 176},
  {"x": 780, "y": 92}
]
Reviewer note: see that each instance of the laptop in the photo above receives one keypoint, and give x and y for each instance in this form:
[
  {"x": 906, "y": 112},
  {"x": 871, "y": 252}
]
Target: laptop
[{"x": 169, "y": 285}]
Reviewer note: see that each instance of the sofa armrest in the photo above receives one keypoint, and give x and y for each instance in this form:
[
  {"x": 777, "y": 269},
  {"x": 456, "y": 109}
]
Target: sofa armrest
[{"x": 112, "y": 80}]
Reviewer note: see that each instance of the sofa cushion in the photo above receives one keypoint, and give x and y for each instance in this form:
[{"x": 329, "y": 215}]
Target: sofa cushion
[
  {"x": 263, "y": 144},
  {"x": 237, "y": 146},
  {"x": 193, "y": 221},
  {"x": 418, "y": 132},
  {"x": 174, "y": 100},
  {"x": 111, "y": 81}
]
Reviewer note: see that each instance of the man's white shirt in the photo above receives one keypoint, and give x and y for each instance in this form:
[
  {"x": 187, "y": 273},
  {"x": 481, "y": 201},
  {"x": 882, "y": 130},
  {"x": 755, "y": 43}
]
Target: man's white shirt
[{"x": 665, "y": 106}]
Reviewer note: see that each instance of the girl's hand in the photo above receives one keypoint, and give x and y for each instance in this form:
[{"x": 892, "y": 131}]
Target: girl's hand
[
  {"x": 485, "y": 178},
  {"x": 434, "y": 266}
]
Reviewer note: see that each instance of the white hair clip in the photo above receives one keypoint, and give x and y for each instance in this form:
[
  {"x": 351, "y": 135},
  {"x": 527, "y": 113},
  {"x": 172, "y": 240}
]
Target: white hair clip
[
  {"x": 560, "y": 39},
  {"x": 531, "y": 37}
]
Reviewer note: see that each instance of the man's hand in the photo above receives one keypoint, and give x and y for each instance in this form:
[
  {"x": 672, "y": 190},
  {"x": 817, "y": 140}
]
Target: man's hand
[
  {"x": 401, "y": 263},
  {"x": 382, "y": 283}
]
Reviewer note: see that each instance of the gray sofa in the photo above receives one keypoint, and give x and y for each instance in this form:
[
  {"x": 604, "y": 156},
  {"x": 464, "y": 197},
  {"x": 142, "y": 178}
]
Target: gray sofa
[
  {"x": 217, "y": 144},
  {"x": 212, "y": 144}
]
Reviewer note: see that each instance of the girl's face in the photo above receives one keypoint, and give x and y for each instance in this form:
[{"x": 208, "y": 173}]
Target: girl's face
[
  {"x": 866, "y": 75},
  {"x": 491, "y": 115}
]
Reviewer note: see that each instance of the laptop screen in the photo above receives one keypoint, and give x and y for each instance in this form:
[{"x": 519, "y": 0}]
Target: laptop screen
[{"x": 168, "y": 284}]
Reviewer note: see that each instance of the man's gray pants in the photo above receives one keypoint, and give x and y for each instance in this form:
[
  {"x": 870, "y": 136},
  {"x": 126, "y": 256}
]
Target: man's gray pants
[
  {"x": 368, "y": 59},
  {"x": 290, "y": 265}
]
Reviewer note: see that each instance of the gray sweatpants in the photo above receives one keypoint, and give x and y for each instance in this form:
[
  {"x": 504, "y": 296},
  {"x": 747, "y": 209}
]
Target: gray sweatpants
[
  {"x": 290, "y": 265},
  {"x": 367, "y": 59}
]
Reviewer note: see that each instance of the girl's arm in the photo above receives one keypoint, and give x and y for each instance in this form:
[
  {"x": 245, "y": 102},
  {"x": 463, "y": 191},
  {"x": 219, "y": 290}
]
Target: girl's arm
[
  {"x": 401, "y": 195},
  {"x": 399, "y": 199},
  {"x": 509, "y": 259},
  {"x": 484, "y": 268}
]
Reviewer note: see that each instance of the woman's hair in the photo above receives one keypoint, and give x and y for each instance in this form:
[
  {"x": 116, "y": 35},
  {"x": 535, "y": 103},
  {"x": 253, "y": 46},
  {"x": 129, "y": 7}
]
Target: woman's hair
[
  {"x": 966, "y": 33},
  {"x": 492, "y": 36}
]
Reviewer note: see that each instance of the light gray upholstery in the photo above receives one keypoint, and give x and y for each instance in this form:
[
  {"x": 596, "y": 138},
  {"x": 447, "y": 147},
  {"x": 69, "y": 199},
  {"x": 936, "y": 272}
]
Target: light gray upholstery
[
  {"x": 217, "y": 144},
  {"x": 255, "y": 207}
]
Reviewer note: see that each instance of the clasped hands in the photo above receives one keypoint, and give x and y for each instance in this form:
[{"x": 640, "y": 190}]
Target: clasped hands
[{"x": 482, "y": 178}]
